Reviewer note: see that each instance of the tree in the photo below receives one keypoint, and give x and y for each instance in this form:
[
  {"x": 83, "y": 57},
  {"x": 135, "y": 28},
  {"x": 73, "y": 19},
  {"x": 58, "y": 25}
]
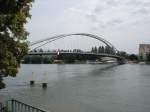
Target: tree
[
  {"x": 123, "y": 54},
  {"x": 100, "y": 49},
  {"x": 103, "y": 49},
  {"x": 13, "y": 35},
  {"x": 133, "y": 57},
  {"x": 95, "y": 49},
  {"x": 92, "y": 50},
  {"x": 107, "y": 50}
]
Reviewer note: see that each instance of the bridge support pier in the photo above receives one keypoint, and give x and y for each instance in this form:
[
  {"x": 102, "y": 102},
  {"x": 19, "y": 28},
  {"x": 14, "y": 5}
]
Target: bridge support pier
[{"x": 32, "y": 82}]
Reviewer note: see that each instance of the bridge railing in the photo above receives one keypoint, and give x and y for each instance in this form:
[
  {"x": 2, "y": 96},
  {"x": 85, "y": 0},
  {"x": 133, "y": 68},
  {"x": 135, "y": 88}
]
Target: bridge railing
[{"x": 17, "y": 106}]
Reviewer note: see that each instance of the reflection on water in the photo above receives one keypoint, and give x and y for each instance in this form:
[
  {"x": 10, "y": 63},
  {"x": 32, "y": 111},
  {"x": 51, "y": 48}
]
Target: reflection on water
[{"x": 83, "y": 88}]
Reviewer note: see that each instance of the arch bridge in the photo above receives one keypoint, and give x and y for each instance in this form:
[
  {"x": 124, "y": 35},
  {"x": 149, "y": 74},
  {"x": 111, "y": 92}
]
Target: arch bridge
[{"x": 84, "y": 55}]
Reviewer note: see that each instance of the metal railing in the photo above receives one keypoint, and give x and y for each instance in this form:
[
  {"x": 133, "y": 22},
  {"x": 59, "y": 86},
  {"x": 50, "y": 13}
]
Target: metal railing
[
  {"x": 2, "y": 108},
  {"x": 17, "y": 106}
]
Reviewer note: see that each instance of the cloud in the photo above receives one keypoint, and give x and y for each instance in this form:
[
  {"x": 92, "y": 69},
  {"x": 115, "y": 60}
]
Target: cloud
[
  {"x": 110, "y": 16},
  {"x": 120, "y": 12},
  {"x": 107, "y": 14},
  {"x": 141, "y": 11},
  {"x": 122, "y": 22}
]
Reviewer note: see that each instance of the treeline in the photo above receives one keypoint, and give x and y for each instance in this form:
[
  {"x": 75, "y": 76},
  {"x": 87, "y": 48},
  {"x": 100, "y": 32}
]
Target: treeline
[
  {"x": 130, "y": 57},
  {"x": 37, "y": 59},
  {"x": 109, "y": 50},
  {"x": 102, "y": 49},
  {"x": 134, "y": 57}
]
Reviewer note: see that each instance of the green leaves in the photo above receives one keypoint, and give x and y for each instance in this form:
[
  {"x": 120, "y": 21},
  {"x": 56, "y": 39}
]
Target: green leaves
[{"x": 13, "y": 17}]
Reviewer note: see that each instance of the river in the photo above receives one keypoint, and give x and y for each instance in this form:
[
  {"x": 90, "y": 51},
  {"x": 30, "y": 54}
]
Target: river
[{"x": 82, "y": 87}]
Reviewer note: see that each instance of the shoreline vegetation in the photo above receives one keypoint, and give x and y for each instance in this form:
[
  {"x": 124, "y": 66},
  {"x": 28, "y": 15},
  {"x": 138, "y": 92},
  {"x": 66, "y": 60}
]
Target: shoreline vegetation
[
  {"x": 68, "y": 60},
  {"x": 51, "y": 60}
]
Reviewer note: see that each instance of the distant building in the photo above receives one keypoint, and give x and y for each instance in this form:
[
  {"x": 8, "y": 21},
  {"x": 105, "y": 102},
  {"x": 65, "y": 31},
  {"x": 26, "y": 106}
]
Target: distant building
[{"x": 144, "y": 50}]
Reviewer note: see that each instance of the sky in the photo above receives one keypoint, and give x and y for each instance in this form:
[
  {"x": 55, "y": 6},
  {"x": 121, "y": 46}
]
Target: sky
[{"x": 124, "y": 23}]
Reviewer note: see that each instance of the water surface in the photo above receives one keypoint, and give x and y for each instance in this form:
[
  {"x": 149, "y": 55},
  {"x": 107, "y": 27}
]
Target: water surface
[{"x": 83, "y": 87}]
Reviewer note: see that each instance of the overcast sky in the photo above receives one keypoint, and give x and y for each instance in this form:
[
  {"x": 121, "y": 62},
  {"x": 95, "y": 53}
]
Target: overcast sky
[{"x": 124, "y": 23}]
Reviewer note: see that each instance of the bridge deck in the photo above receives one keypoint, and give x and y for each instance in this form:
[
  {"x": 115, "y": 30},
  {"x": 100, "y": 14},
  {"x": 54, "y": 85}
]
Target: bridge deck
[{"x": 76, "y": 53}]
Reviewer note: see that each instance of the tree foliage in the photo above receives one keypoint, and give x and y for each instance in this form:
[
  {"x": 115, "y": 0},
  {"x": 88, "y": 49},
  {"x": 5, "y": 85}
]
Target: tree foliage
[
  {"x": 37, "y": 59},
  {"x": 122, "y": 54},
  {"x": 133, "y": 57},
  {"x": 102, "y": 49},
  {"x": 13, "y": 16}
]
